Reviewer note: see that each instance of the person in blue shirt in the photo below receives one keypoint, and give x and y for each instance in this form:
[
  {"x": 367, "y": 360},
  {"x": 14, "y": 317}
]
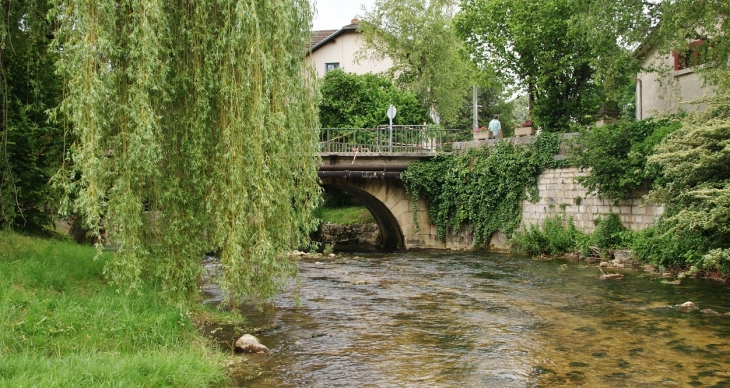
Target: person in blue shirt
[{"x": 496, "y": 127}]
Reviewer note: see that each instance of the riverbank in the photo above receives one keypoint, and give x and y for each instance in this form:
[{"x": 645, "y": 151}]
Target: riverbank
[{"x": 61, "y": 324}]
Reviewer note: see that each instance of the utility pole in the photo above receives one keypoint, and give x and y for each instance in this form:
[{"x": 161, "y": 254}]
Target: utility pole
[{"x": 475, "y": 117}]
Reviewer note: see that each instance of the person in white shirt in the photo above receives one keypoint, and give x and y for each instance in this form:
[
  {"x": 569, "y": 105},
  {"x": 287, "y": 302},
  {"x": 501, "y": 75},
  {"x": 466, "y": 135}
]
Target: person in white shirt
[{"x": 496, "y": 127}]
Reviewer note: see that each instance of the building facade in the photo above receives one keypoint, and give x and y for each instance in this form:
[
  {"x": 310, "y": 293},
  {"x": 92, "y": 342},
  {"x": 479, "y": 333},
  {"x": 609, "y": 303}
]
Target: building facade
[
  {"x": 671, "y": 83},
  {"x": 338, "y": 49}
]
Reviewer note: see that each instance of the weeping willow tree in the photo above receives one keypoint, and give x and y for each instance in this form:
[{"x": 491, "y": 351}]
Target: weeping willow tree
[{"x": 196, "y": 125}]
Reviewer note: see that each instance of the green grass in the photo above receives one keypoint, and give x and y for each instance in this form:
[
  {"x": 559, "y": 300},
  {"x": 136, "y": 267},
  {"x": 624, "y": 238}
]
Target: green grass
[
  {"x": 348, "y": 215},
  {"x": 61, "y": 325}
]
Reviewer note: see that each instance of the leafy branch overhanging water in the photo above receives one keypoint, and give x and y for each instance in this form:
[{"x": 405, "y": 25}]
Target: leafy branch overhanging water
[{"x": 196, "y": 125}]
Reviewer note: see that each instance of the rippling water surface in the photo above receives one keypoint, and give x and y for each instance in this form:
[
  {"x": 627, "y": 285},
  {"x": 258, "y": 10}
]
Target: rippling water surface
[{"x": 445, "y": 319}]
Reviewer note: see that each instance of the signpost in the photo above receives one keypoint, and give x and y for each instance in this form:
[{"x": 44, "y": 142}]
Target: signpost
[{"x": 391, "y": 115}]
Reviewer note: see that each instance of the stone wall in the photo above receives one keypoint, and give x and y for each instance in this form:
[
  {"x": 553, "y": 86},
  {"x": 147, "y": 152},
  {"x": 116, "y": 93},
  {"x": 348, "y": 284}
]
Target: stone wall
[
  {"x": 561, "y": 194},
  {"x": 348, "y": 234}
]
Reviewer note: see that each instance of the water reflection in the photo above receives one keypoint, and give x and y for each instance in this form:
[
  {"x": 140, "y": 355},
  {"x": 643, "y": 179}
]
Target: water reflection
[{"x": 443, "y": 319}]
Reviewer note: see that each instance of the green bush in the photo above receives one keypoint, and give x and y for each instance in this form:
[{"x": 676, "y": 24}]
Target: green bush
[
  {"x": 361, "y": 101},
  {"x": 669, "y": 250},
  {"x": 617, "y": 154},
  {"x": 556, "y": 236},
  {"x": 609, "y": 232},
  {"x": 693, "y": 183}
]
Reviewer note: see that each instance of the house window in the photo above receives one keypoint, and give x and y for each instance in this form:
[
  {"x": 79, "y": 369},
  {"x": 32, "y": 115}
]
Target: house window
[
  {"x": 331, "y": 66},
  {"x": 694, "y": 55}
]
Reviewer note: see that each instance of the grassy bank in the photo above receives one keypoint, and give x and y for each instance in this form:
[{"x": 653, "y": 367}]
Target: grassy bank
[
  {"x": 345, "y": 215},
  {"x": 62, "y": 325}
]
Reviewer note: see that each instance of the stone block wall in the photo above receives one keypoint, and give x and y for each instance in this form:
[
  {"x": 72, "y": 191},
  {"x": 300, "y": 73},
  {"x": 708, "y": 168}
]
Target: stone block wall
[{"x": 561, "y": 194}]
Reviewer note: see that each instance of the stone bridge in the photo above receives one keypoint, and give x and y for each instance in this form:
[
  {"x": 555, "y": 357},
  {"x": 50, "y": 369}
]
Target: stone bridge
[{"x": 374, "y": 179}]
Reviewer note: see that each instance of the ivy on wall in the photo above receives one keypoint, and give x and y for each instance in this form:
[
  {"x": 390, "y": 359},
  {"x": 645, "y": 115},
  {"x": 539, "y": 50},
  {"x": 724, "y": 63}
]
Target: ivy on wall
[{"x": 482, "y": 187}]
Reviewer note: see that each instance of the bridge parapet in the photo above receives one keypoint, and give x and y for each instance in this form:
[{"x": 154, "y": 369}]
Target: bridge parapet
[{"x": 387, "y": 139}]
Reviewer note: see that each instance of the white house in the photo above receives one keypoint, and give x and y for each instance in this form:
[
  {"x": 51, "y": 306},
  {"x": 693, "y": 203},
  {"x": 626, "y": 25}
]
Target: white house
[
  {"x": 333, "y": 49},
  {"x": 670, "y": 83}
]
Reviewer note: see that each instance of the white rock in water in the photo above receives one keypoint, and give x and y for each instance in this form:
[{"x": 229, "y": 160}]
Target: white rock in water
[
  {"x": 688, "y": 306},
  {"x": 250, "y": 344}
]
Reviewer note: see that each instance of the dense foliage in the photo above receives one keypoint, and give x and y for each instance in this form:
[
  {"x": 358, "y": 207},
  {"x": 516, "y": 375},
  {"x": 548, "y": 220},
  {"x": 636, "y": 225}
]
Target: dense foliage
[
  {"x": 361, "y": 101},
  {"x": 694, "y": 186},
  {"x": 491, "y": 100},
  {"x": 196, "y": 125},
  {"x": 420, "y": 40},
  {"x": 615, "y": 155},
  {"x": 535, "y": 41},
  {"x": 483, "y": 187},
  {"x": 31, "y": 145}
]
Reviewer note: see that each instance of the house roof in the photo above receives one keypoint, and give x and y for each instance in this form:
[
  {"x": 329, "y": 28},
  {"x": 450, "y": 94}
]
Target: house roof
[
  {"x": 645, "y": 47},
  {"x": 318, "y": 36},
  {"x": 322, "y": 37}
]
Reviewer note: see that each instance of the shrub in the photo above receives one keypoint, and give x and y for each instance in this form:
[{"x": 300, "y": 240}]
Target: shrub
[
  {"x": 552, "y": 238},
  {"x": 610, "y": 232},
  {"x": 618, "y": 153}
]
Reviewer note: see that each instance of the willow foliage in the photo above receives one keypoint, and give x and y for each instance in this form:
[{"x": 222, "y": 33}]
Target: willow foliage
[{"x": 196, "y": 125}]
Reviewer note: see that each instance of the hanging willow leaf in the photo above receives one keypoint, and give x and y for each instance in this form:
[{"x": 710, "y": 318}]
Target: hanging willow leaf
[{"x": 196, "y": 127}]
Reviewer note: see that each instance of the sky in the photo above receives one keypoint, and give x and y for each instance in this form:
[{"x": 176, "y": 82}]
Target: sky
[{"x": 333, "y": 14}]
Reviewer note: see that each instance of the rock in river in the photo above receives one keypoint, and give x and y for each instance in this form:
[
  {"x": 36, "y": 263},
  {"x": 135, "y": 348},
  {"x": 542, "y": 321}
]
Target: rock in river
[
  {"x": 250, "y": 344},
  {"x": 688, "y": 306}
]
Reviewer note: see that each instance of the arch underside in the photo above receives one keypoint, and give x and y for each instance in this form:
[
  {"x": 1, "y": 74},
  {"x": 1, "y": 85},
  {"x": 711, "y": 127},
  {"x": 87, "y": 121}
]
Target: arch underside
[{"x": 391, "y": 236}]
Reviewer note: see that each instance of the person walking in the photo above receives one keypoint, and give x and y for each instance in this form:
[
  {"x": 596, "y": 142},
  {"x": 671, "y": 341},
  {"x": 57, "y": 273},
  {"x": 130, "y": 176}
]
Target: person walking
[{"x": 496, "y": 127}]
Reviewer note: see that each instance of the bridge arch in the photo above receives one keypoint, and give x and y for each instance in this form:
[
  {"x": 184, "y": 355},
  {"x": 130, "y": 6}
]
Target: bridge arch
[
  {"x": 374, "y": 194},
  {"x": 374, "y": 179}
]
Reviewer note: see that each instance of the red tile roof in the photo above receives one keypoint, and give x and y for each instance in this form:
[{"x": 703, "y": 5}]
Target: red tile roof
[
  {"x": 321, "y": 37},
  {"x": 318, "y": 36}
]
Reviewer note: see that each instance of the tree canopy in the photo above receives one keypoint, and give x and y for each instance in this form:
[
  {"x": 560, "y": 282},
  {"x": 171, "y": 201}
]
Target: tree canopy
[
  {"x": 535, "y": 42},
  {"x": 419, "y": 38},
  {"x": 361, "y": 101},
  {"x": 196, "y": 126}
]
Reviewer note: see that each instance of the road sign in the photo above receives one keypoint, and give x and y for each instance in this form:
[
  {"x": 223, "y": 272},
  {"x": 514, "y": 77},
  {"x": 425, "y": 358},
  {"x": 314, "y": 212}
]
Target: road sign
[{"x": 391, "y": 112}]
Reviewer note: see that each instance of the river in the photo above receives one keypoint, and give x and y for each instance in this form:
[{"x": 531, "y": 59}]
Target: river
[{"x": 479, "y": 319}]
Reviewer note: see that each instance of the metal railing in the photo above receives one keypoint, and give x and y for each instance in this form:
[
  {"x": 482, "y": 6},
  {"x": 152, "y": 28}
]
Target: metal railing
[{"x": 404, "y": 138}]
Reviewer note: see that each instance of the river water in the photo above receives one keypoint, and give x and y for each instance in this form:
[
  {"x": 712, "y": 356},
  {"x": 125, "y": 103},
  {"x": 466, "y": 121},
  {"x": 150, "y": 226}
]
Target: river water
[{"x": 450, "y": 319}]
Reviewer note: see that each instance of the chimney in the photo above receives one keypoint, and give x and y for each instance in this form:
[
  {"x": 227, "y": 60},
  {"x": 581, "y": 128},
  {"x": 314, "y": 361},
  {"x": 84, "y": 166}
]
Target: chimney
[{"x": 355, "y": 20}]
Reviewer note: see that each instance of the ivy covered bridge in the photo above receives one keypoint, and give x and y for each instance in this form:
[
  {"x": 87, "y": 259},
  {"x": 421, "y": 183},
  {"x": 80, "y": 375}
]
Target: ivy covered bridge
[
  {"x": 364, "y": 164},
  {"x": 367, "y": 163}
]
